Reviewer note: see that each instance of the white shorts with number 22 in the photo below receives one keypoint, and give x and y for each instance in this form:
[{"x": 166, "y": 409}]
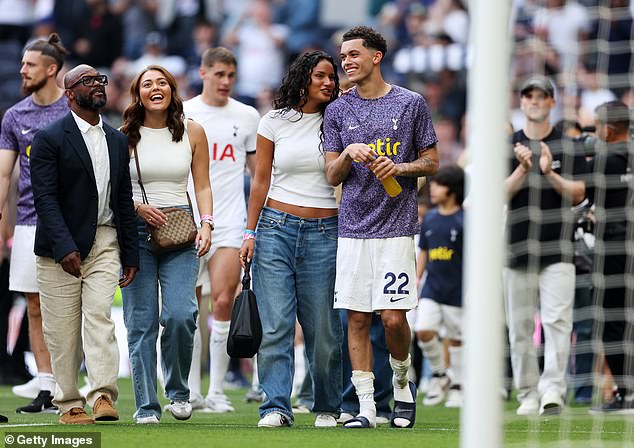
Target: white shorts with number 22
[{"x": 376, "y": 274}]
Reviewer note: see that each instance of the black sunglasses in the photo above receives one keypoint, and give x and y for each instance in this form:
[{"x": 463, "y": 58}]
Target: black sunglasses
[{"x": 90, "y": 80}]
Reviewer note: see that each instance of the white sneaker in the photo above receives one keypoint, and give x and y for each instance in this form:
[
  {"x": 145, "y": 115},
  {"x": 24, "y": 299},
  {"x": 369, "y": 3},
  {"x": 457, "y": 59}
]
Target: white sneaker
[
  {"x": 181, "y": 410},
  {"x": 325, "y": 421},
  {"x": 380, "y": 420},
  {"x": 197, "y": 401},
  {"x": 217, "y": 404},
  {"x": 529, "y": 406},
  {"x": 149, "y": 420},
  {"x": 551, "y": 403},
  {"x": 454, "y": 397},
  {"x": 437, "y": 390},
  {"x": 27, "y": 390},
  {"x": 300, "y": 409},
  {"x": 344, "y": 417},
  {"x": 274, "y": 420}
]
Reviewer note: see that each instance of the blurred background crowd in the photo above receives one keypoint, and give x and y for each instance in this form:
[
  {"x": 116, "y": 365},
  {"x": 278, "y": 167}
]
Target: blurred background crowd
[{"x": 585, "y": 45}]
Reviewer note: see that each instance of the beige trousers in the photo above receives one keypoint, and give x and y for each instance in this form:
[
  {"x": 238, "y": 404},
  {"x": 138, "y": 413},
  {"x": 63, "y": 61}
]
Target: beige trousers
[{"x": 64, "y": 300}]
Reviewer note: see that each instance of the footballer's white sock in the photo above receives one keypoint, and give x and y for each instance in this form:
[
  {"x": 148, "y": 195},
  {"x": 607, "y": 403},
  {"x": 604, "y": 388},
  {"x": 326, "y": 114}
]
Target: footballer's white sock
[
  {"x": 400, "y": 379},
  {"x": 300, "y": 369},
  {"x": 455, "y": 364},
  {"x": 255, "y": 380},
  {"x": 193, "y": 381},
  {"x": 433, "y": 352},
  {"x": 46, "y": 382},
  {"x": 218, "y": 357},
  {"x": 363, "y": 383}
]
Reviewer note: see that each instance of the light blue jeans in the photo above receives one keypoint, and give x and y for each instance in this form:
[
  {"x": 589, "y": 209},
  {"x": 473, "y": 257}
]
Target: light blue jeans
[
  {"x": 294, "y": 278},
  {"x": 176, "y": 273}
]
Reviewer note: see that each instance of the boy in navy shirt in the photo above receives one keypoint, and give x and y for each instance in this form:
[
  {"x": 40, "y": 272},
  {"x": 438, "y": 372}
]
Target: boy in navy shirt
[{"x": 440, "y": 267}]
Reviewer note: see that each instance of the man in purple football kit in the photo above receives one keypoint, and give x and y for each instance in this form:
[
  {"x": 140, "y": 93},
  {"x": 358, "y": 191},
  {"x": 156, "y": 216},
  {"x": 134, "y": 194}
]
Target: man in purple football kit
[
  {"x": 41, "y": 62},
  {"x": 372, "y": 133}
]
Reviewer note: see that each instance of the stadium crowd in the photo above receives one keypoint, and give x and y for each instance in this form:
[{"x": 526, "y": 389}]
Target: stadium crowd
[{"x": 258, "y": 78}]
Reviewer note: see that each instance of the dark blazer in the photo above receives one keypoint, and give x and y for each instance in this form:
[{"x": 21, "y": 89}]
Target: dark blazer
[{"x": 65, "y": 192}]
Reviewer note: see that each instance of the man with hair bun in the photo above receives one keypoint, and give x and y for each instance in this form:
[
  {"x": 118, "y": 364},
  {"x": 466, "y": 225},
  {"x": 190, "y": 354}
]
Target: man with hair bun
[{"x": 41, "y": 62}]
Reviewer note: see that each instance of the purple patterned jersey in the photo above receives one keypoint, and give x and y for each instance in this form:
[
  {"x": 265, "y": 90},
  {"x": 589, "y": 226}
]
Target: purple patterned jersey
[
  {"x": 397, "y": 125},
  {"x": 19, "y": 125}
]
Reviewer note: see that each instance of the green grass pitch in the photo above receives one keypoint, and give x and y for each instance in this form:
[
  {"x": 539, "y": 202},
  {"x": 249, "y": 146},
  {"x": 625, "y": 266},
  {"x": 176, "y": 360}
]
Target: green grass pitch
[{"x": 435, "y": 427}]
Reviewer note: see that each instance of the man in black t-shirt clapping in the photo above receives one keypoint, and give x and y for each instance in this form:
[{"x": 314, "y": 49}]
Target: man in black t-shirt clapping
[{"x": 543, "y": 186}]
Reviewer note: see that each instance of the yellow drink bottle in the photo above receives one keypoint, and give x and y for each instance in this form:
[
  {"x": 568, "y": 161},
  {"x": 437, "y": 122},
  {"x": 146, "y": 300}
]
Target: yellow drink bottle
[{"x": 392, "y": 187}]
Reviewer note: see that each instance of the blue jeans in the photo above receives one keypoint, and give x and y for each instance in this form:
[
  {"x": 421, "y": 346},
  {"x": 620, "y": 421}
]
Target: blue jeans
[
  {"x": 383, "y": 389},
  {"x": 583, "y": 355},
  {"x": 176, "y": 273},
  {"x": 294, "y": 278}
]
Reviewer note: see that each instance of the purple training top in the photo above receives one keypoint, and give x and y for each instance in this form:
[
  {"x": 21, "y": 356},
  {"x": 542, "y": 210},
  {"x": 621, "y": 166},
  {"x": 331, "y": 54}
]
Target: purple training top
[
  {"x": 398, "y": 125},
  {"x": 19, "y": 125}
]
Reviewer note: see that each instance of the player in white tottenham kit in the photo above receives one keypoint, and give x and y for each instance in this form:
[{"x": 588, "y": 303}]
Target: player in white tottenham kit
[{"x": 231, "y": 129}]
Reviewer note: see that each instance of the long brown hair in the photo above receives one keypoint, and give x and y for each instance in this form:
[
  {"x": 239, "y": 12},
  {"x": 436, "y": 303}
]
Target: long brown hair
[{"x": 134, "y": 114}]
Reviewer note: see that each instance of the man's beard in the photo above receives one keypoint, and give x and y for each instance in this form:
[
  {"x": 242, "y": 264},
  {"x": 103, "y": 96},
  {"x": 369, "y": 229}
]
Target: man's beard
[
  {"x": 90, "y": 102},
  {"x": 33, "y": 86}
]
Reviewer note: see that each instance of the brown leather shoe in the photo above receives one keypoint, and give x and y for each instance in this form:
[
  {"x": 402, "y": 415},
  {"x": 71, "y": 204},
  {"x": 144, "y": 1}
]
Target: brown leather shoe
[
  {"x": 103, "y": 410},
  {"x": 76, "y": 416}
]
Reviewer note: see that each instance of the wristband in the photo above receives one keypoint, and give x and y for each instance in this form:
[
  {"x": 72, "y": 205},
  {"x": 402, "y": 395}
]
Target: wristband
[
  {"x": 248, "y": 234},
  {"x": 208, "y": 221},
  {"x": 207, "y": 218}
]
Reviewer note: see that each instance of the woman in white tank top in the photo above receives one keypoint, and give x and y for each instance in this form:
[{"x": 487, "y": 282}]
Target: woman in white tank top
[
  {"x": 168, "y": 148},
  {"x": 294, "y": 255}
]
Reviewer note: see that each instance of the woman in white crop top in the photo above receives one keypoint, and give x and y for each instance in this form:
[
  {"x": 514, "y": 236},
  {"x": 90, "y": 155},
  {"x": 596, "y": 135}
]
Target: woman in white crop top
[
  {"x": 168, "y": 148},
  {"x": 294, "y": 255}
]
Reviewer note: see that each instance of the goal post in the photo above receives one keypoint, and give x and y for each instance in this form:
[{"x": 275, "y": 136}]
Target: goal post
[{"x": 488, "y": 112}]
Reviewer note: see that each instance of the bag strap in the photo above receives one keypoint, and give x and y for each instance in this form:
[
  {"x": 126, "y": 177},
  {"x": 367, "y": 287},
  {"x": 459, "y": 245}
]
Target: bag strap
[
  {"x": 246, "y": 279},
  {"x": 143, "y": 194},
  {"x": 138, "y": 172}
]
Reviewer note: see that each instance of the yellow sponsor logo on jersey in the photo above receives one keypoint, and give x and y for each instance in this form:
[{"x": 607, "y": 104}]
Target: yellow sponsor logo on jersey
[
  {"x": 28, "y": 152},
  {"x": 441, "y": 253},
  {"x": 385, "y": 147}
]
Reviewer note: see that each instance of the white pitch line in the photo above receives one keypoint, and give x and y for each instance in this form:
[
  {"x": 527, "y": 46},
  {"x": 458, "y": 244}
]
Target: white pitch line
[{"x": 21, "y": 425}]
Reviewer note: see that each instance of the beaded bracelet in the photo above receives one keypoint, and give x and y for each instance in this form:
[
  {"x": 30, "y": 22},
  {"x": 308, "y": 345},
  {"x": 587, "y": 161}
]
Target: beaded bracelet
[{"x": 248, "y": 234}]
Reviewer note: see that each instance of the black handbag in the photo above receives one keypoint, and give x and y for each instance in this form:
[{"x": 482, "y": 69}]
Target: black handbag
[{"x": 245, "y": 330}]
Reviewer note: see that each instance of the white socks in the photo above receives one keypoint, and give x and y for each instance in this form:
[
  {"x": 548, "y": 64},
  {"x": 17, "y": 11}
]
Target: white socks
[
  {"x": 363, "y": 382},
  {"x": 300, "y": 369},
  {"x": 455, "y": 364},
  {"x": 400, "y": 379},
  {"x": 47, "y": 382},
  {"x": 433, "y": 352},
  {"x": 218, "y": 357},
  {"x": 193, "y": 381}
]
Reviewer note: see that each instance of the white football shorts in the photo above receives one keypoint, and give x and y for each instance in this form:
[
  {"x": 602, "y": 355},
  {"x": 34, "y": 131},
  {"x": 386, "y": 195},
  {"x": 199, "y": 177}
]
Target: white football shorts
[
  {"x": 446, "y": 320},
  {"x": 376, "y": 274},
  {"x": 22, "y": 269}
]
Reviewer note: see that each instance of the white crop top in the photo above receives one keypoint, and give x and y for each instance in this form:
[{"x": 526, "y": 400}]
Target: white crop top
[
  {"x": 165, "y": 167},
  {"x": 298, "y": 176}
]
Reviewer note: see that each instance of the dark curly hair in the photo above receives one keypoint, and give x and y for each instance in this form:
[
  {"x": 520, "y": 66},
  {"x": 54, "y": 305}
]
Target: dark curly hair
[
  {"x": 293, "y": 93},
  {"x": 134, "y": 114},
  {"x": 371, "y": 38}
]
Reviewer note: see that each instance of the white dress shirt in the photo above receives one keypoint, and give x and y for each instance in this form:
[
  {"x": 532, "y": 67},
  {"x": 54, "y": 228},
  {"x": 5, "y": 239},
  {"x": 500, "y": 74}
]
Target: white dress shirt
[{"x": 95, "y": 139}]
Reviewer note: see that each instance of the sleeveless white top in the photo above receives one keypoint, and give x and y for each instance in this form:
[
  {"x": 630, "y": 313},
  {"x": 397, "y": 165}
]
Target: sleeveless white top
[{"x": 165, "y": 166}]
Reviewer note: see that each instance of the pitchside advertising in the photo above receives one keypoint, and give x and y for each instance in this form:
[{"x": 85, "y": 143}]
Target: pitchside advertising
[{"x": 52, "y": 439}]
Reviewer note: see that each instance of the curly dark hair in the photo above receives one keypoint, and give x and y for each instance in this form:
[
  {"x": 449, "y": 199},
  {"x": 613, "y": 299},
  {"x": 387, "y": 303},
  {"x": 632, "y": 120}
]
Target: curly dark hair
[
  {"x": 134, "y": 114},
  {"x": 371, "y": 38},
  {"x": 293, "y": 93}
]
